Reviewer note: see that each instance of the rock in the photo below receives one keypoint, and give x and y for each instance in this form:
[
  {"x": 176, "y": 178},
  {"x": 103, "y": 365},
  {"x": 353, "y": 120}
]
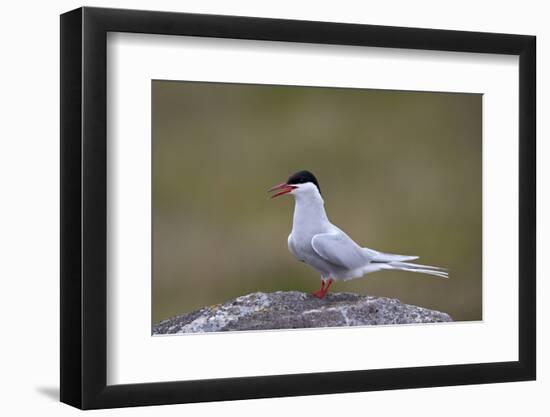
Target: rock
[{"x": 295, "y": 310}]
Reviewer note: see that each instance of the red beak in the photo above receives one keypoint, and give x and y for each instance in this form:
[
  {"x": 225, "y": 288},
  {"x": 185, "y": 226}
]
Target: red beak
[{"x": 284, "y": 187}]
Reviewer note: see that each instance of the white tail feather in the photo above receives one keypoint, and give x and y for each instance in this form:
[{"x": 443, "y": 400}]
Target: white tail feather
[{"x": 423, "y": 269}]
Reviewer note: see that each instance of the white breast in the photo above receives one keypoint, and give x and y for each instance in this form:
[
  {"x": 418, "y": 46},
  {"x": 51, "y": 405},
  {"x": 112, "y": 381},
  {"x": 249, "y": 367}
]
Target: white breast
[{"x": 310, "y": 219}]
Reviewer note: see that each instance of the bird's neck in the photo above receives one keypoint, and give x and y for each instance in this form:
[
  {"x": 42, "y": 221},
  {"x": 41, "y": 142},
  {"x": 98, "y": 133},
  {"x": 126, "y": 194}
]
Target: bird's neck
[{"x": 309, "y": 213}]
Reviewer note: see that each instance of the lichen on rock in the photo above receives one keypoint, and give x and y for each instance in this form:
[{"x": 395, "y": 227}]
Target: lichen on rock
[{"x": 295, "y": 310}]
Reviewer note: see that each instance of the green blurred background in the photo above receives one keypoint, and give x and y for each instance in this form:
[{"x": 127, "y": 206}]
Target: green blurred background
[{"x": 400, "y": 172}]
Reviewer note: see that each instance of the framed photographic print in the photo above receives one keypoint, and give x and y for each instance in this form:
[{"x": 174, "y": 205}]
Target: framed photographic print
[{"x": 259, "y": 207}]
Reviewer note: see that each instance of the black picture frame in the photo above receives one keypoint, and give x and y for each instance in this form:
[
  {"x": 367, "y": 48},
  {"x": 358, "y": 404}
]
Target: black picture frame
[{"x": 84, "y": 207}]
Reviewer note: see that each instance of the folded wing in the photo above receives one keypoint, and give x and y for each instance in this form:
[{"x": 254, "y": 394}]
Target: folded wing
[
  {"x": 339, "y": 249},
  {"x": 391, "y": 257}
]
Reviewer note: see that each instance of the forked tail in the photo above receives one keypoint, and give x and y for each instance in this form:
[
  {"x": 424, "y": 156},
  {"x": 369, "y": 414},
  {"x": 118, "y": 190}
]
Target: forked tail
[{"x": 423, "y": 269}]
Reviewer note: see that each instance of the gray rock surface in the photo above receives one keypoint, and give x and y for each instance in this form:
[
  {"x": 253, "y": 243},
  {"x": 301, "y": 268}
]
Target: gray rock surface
[{"x": 295, "y": 310}]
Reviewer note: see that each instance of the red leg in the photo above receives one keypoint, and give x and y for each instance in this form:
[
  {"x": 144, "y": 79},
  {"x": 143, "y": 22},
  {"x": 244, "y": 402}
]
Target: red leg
[
  {"x": 324, "y": 289},
  {"x": 321, "y": 292},
  {"x": 330, "y": 281}
]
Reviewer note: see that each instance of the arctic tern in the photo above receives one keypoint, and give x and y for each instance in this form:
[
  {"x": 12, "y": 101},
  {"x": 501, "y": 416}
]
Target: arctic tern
[{"x": 315, "y": 241}]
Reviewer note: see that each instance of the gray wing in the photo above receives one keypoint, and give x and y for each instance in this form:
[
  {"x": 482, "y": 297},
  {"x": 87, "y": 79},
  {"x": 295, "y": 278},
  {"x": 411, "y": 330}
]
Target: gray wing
[{"x": 339, "y": 249}]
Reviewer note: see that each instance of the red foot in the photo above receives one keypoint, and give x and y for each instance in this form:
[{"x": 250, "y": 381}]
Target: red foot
[
  {"x": 319, "y": 294},
  {"x": 324, "y": 289}
]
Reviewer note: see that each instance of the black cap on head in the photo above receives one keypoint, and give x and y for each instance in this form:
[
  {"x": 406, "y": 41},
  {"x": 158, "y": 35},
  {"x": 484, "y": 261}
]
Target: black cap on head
[{"x": 301, "y": 177}]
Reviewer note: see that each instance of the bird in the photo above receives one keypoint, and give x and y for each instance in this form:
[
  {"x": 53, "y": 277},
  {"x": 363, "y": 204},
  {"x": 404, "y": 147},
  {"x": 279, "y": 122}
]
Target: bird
[{"x": 315, "y": 241}]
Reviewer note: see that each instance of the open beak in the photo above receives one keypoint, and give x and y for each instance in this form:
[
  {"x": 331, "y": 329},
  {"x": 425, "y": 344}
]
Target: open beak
[{"x": 283, "y": 188}]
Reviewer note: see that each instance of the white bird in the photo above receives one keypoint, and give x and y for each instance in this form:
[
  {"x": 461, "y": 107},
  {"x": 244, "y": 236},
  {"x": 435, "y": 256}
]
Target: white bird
[{"x": 320, "y": 244}]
